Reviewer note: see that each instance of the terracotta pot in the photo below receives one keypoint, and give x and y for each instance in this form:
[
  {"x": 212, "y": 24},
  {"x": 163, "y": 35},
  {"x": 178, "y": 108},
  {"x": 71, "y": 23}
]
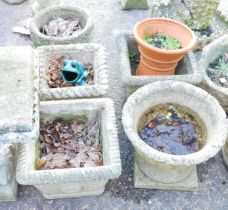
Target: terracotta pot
[{"x": 156, "y": 61}]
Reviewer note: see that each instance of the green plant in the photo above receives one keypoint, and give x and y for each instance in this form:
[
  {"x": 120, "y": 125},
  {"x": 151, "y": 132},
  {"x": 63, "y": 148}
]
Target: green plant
[
  {"x": 133, "y": 56},
  {"x": 162, "y": 41},
  {"x": 221, "y": 68}
]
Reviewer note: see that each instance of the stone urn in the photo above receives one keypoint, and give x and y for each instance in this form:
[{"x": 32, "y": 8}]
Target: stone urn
[
  {"x": 159, "y": 170},
  {"x": 209, "y": 55},
  {"x": 43, "y": 16},
  {"x": 73, "y": 182}
]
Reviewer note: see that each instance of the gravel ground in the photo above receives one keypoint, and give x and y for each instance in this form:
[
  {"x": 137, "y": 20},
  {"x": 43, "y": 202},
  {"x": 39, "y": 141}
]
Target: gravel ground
[{"x": 119, "y": 194}]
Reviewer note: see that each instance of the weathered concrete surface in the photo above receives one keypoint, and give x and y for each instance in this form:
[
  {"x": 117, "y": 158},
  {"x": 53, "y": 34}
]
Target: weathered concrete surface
[
  {"x": 119, "y": 194},
  {"x": 16, "y": 89}
]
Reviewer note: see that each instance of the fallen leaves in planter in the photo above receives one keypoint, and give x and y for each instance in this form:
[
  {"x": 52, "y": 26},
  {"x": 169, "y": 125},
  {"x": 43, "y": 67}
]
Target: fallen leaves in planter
[
  {"x": 62, "y": 27},
  {"x": 70, "y": 144},
  {"x": 55, "y": 79}
]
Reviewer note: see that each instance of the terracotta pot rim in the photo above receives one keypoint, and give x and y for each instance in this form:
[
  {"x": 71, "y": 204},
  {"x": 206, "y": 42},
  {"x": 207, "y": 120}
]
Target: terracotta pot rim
[{"x": 143, "y": 43}]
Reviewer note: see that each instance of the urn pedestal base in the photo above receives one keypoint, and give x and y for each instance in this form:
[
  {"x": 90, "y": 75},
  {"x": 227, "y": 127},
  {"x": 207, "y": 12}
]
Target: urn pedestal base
[{"x": 143, "y": 181}]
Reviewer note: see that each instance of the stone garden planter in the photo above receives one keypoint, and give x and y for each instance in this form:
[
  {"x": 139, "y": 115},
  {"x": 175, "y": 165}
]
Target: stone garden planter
[
  {"x": 19, "y": 118},
  {"x": 85, "y": 53},
  {"x": 158, "y": 170},
  {"x": 47, "y": 14},
  {"x": 210, "y": 53},
  {"x": 73, "y": 182},
  {"x": 177, "y": 10},
  {"x": 187, "y": 70}
]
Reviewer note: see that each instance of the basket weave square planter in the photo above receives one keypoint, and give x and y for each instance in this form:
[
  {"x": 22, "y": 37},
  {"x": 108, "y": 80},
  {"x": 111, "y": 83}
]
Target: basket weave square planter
[
  {"x": 85, "y": 53},
  {"x": 73, "y": 182},
  {"x": 187, "y": 70}
]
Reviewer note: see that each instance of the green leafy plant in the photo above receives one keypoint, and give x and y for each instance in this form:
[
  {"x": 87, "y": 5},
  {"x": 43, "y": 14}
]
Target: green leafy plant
[
  {"x": 133, "y": 56},
  {"x": 162, "y": 41},
  {"x": 221, "y": 68}
]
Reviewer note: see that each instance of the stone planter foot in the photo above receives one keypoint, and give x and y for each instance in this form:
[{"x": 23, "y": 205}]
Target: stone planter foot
[
  {"x": 141, "y": 180},
  {"x": 8, "y": 184},
  {"x": 72, "y": 190}
]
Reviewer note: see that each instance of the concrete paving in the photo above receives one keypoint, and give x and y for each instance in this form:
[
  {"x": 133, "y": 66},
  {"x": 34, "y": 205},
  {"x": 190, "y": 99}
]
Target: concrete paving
[{"x": 119, "y": 194}]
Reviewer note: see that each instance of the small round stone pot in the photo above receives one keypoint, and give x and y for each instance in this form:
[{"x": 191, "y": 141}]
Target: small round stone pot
[
  {"x": 49, "y": 13},
  {"x": 209, "y": 55},
  {"x": 165, "y": 168}
]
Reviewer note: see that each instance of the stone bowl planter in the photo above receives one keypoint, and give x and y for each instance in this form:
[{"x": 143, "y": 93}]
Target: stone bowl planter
[
  {"x": 209, "y": 54},
  {"x": 158, "y": 170},
  {"x": 48, "y": 14},
  {"x": 85, "y": 53},
  {"x": 73, "y": 182},
  {"x": 186, "y": 71}
]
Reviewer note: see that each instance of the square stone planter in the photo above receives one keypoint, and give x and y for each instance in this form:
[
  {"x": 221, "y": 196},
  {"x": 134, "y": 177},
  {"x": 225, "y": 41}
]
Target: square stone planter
[
  {"x": 19, "y": 118},
  {"x": 8, "y": 184},
  {"x": 73, "y": 182},
  {"x": 85, "y": 53},
  {"x": 187, "y": 69},
  {"x": 43, "y": 16}
]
